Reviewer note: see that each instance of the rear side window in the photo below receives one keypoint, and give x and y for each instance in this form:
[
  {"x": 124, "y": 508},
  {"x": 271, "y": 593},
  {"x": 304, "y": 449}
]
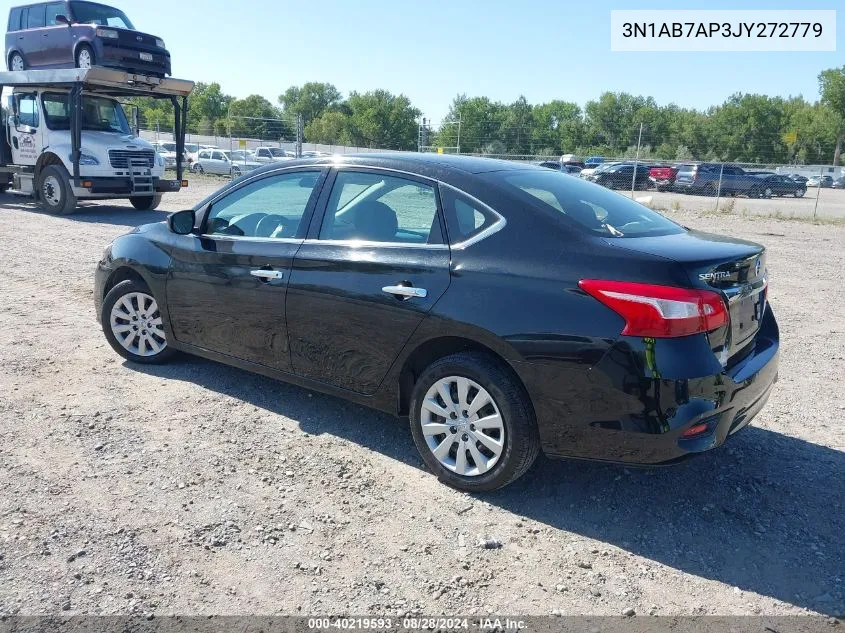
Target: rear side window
[
  {"x": 379, "y": 208},
  {"x": 35, "y": 17},
  {"x": 587, "y": 206},
  {"x": 15, "y": 20},
  {"x": 465, "y": 217}
]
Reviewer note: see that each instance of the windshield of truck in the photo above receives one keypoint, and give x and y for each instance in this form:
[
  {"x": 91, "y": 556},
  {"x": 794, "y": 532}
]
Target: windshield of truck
[
  {"x": 99, "y": 114},
  {"x": 100, "y": 14}
]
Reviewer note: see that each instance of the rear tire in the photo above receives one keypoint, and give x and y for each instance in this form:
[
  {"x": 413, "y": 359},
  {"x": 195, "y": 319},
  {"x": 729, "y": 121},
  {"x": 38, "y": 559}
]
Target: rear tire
[
  {"x": 236, "y": 172},
  {"x": 799, "y": 193},
  {"x": 137, "y": 321},
  {"x": 518, "y": 436},
  {"x": 16, "y": 62},
  {"x": 198, "y": 169},
  {"x": 146, "y": 203},
  {"x": 54, "y": 191},
  {"x": 84, "y": 56}
]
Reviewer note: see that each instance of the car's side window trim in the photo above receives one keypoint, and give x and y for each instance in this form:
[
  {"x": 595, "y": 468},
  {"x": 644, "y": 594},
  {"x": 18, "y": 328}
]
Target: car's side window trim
[
  {"x": 313, "y": 235},
  {"x": 497, "y": 225},
  {"x": 307, "y": 214}
]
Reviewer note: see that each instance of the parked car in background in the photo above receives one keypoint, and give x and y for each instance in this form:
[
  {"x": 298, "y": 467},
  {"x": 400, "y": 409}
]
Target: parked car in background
[
  {"x": 621, "y": 176},
  {"x": 798, "y": 178},
  {"x": 593, "y": 161},
  {"x": 662, "y": 177},
  {"x": 191, "y": 150},
  {"x": 72, "y": 33},
  {"x": 167, "y": 150},
  {"x": 361, "y": 276},
  {"x": 820, "y": 181},
  {"x": 769, "y": 186},
  {"x": 270, "y": 154},
  {"x": 573, "y": 170},
  {"x": 839, "y": 183},
  {"x": 223, "y": 163},
  {"x": 712, "y": 178}
]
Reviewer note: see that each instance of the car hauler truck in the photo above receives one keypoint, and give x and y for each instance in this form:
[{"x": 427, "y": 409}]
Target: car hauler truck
[{"x": 67, "y": 137}]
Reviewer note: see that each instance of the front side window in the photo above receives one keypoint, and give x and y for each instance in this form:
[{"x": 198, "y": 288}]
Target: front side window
[
  {"x": 98, "y": 114},
  {"x": 57, "y": 8},
  {"x": 586, "y": 206},
  {"x": 218, "y": 156},
  {"x": 268, "y": 208},
  {"x": 35, "y": 17},
  {"x": 263, "y": 153},
  {"x": 379, "y": 208},
  {"x": 28, "y": 110},
  {"x": 100, "y": 14}
]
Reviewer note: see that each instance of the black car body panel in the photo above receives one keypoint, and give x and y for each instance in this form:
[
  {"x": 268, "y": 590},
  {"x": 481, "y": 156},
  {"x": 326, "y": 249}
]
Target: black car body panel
[
  {"x": 44, "y": 43},
  {"x": 513, "y": 292}
]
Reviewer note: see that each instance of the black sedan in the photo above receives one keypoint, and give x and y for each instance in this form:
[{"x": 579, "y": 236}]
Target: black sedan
[
  {"x": 768, "y": 186},
  {"x": 499, "y": 307},
  {"x": 621, "y": 176}
]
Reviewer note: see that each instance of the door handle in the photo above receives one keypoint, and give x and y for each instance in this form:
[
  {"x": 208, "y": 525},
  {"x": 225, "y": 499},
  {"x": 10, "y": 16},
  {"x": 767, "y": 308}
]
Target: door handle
[
  {"x": 406, "y": 291},
  {"x": 267, "y": 275}
]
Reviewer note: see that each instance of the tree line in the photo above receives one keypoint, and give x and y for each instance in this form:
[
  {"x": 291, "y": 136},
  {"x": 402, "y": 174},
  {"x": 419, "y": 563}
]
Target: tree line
[{"x": 749, "y": 128}]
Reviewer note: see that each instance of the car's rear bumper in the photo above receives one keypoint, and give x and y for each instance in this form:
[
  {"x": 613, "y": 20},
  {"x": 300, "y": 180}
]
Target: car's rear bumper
[{"x": 637, "y": 402}]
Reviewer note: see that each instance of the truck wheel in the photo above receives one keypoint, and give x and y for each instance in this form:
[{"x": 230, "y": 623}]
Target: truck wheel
[
  {"x": 16, "y": 62},
  {"x": 146, "y": 203},
  {"x": 84, "y": 56},
  {"x": 54, "y": 191}
]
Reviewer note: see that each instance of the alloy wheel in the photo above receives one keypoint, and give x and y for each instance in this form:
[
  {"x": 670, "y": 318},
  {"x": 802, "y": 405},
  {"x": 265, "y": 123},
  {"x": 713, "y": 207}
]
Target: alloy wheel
[
  {"x": 136, "y": 324},
  {"x": 16, "y": 63},
  {"x": 84, "y": 58},
  {"x": 462, "y": 426},
  {"x": 768, "y": 193}
]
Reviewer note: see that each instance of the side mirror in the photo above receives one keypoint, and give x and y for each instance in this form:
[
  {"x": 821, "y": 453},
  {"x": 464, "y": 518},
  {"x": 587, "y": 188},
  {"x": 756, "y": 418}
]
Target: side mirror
[
  {"x": 62, "y": 19},
  {"x": 182, "y": 222}
]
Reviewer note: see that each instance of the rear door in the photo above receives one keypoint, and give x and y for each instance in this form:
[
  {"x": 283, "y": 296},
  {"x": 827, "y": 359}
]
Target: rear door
[
  {"x": 218, "y": 163},
  {"x": 33, "y": 42},
  {"x": 366, "y": 277},
  {"x": 226, "y": 289}
]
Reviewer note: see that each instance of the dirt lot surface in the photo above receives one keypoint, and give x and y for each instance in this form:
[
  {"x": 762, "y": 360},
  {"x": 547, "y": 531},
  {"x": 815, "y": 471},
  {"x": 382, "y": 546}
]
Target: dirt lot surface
[{"x": 194, "y": 488}]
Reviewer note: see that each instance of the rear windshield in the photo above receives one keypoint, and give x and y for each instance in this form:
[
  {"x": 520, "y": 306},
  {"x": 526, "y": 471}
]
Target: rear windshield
[
  {"x": 588, "y": 206},
  {"x": 100, "y": 14}
]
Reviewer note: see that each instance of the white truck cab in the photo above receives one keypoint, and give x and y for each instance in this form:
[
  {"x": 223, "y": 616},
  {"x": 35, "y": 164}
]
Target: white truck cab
[{"x": 67, "y": 138}]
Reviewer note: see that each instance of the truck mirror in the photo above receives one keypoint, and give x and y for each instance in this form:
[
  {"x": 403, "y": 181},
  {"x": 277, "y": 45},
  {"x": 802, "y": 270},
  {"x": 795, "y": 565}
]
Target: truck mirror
[{"x": 62, "y": 19}]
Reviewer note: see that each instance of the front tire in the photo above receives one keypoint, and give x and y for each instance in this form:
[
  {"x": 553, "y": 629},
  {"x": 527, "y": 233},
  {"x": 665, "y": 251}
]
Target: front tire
[
  {"x": 84, "y": 56},
  {"x": 146, "y": 203},
  {"x": 799, "y": 193},
  {"x": 54, "y": 191},
  {"x": 473, "y": 422},
  {"x": 132, "y": 323}
]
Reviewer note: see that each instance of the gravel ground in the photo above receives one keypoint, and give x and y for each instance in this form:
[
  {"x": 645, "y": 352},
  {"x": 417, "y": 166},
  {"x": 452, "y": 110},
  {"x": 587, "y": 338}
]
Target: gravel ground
[{"x": 195, "y": 488}]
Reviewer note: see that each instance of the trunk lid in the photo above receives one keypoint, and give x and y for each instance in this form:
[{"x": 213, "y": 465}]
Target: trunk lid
[{"x": 733, "y": 267}]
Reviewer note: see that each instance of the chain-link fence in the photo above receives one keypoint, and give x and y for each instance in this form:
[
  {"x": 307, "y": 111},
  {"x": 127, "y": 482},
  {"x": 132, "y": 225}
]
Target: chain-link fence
[{"x": 787, "y": 174}]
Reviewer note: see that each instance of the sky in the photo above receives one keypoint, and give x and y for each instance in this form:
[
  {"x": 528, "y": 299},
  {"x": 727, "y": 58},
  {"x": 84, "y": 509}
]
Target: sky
[{"x": 433, "y": 50}]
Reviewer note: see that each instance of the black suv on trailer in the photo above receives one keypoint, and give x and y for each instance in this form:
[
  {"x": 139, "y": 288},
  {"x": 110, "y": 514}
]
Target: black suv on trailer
[{"x": 70, "y": 33}]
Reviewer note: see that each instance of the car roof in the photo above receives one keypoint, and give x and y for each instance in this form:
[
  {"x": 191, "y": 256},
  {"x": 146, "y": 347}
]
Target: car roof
[{"x": 432, "y": 165}]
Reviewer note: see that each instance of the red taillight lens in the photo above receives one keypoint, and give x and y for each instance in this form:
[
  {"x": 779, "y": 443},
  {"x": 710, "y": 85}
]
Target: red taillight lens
[{"x": 659, "y": 311}]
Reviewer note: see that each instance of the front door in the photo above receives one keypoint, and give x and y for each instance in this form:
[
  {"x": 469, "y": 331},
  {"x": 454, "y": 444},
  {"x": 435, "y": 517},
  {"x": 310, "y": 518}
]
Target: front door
[
  {"x": 56, "y": 38},
  {"x": 226, "y": 288},
  {"x": 27, "y": 129},
  {"x": 365, "y": 278},
  {"x": 218, "y": 163}
]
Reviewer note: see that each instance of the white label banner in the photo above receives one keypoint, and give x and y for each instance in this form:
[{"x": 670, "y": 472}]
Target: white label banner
[{"x": 723, "y": 30}]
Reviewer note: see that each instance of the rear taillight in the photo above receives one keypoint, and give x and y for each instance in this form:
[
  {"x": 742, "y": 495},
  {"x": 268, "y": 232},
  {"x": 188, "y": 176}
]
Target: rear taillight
[
  {"x": 659, "y": 311},
  {"x": 695, "y": 173}
]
